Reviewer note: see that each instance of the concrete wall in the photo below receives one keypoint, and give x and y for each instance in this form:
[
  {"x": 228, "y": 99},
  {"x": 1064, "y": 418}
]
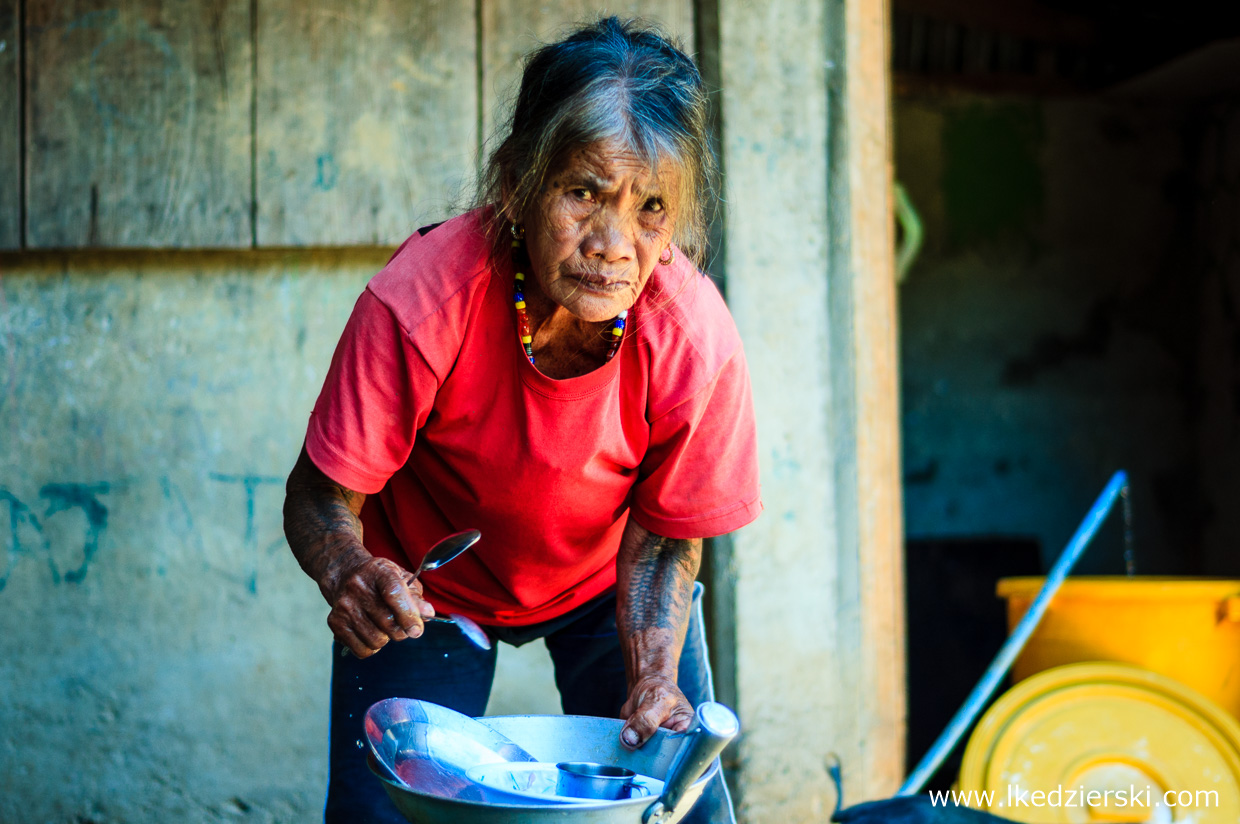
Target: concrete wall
[
  {"x": 818, "y": 628},
  {"x": 773, "y": 142},
  {"x": 163, "y": 656},
  {"x": 1047, "y": 332}
]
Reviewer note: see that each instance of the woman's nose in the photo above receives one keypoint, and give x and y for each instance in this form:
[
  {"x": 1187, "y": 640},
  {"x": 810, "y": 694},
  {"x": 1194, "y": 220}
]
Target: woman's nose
[{"x": 607, "y": 239}]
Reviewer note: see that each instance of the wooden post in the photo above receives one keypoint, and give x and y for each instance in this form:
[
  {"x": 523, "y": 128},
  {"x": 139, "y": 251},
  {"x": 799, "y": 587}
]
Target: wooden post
[{"x": 864, "y": 291}]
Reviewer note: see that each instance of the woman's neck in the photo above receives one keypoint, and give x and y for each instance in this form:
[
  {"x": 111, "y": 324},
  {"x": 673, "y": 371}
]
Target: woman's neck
[{"x": 565, "y": 346}]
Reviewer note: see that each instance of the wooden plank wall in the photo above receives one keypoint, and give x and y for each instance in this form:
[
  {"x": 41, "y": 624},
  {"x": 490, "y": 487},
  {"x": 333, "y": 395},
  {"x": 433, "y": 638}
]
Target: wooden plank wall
[
  {"x": 320, "y": 123},
  {"x": 138, "y": 125},
  {"x": 367, "y": 118},
  {"x": 10, "y": 126}
]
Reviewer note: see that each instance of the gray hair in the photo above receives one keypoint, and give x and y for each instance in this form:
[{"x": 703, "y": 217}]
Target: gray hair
[{"x": 608, "y": 80}]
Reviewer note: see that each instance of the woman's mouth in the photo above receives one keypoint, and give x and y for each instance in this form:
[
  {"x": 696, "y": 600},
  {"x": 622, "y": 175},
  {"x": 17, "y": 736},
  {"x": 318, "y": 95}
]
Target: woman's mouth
[{"x": 598, "y": 284}]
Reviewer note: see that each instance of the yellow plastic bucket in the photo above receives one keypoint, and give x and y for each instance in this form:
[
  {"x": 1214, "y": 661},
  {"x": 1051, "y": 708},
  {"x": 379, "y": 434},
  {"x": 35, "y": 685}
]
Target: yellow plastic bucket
[
  {"x": 1187, "y": 629},
  {"x": 1104, "y": 743}
]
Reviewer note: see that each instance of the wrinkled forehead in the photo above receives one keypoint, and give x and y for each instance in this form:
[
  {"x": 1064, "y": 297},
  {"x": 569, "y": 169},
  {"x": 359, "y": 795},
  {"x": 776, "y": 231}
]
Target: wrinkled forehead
[{"x": 616, "y": 161}]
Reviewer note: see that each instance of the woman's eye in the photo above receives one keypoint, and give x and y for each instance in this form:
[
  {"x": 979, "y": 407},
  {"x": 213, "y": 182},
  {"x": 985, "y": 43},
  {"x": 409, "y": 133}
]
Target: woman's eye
[
  {"x": 654, "y": 205},
  {"x": 581, "y": 194}
]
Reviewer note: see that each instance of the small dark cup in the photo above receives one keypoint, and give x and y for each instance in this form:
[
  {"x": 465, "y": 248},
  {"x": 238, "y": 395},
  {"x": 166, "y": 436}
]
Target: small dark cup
[{"x": 583, "y": 779}]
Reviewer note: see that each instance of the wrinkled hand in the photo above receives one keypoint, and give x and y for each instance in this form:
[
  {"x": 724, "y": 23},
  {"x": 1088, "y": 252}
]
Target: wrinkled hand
[
  {"x": 374, "y": 602},
  {"x": 654, "y": 701}
]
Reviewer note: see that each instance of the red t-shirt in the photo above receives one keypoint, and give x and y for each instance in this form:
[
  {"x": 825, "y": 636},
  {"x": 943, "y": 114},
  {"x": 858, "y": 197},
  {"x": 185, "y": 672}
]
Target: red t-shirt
[{"x": 431, "y": 408}]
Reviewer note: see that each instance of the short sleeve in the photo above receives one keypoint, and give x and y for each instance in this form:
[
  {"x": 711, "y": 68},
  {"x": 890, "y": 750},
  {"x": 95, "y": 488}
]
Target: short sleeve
[
  {"x": 699, "y": 477},
  {"x": 378, "y": 392}
]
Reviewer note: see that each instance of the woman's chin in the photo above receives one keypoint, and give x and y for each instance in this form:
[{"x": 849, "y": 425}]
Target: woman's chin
[{"x": 592, "y": 309}]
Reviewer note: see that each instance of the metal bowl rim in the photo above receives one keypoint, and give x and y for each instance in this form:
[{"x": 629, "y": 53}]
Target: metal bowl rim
[
  {"x": 707, "y": 775},
  {"x": 628, "y": 802}
]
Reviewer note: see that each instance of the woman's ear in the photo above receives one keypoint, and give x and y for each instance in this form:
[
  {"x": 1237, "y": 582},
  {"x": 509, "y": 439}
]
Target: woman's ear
[{"x": 506, "y": 207}]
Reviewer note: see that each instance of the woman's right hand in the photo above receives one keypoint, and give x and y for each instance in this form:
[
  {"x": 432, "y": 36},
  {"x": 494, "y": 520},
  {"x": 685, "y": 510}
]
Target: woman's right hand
[{"x": 374, "y": 601}]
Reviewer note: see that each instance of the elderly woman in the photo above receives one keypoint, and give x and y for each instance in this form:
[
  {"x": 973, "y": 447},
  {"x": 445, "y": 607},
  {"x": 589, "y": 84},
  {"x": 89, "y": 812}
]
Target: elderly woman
[{"x": 551, "y": 369}]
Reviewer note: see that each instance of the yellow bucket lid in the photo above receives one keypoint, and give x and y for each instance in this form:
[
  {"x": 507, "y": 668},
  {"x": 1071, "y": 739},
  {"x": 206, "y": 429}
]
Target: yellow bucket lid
[
  {"x": 1117, "y": 743},
  {"x": 1159, "y": 587}
]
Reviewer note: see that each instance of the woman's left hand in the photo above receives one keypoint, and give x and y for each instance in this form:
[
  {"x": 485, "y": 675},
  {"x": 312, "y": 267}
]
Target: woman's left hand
[{"x": 654, "y": 701}]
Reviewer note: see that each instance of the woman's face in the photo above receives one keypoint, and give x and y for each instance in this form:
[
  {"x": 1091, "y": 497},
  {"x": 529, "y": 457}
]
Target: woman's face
[{"x": 596, "y": 231}]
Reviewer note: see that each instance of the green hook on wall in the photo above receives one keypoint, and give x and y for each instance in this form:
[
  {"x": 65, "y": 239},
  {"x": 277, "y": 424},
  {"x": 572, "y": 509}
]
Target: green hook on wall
[{"x": 911, "y": 231}]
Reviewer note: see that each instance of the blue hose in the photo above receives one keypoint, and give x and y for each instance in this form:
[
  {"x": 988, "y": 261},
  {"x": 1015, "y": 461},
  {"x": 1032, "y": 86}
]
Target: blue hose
[{"x": 1011, "y": 648}]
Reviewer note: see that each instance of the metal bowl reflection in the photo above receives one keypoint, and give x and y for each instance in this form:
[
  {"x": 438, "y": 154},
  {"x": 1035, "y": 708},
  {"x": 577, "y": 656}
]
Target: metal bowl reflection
[{"x": 551, "y": 739}]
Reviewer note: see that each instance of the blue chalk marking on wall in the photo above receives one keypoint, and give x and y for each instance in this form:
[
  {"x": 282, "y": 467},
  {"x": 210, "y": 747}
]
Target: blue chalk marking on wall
[
  {"x": 180, "y": 521},
  {"x": 18, "y": 512},
  {"x": 250, "y": 484},
  {"x": 327, "y": 174},
  {"x": 28, "y": 536},
  {"x": 61, "y": 497}
]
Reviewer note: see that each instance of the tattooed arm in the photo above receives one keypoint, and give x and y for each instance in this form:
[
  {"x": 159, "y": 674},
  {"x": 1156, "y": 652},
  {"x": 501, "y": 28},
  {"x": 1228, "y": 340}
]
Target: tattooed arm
[
  {"x": 372, "y": 602},
  {"x": 654, "y": 590}
]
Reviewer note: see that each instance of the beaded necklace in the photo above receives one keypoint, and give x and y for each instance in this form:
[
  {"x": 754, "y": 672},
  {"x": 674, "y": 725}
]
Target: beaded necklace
[{"x": 524, "y": 330}]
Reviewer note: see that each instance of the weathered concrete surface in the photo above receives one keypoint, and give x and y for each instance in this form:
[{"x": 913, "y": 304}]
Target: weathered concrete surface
[
  {"x": 808, "y": 665},
  {"x": 524, "y": 682},
  {"x": 786, "y": 646},
  {"x": 1047, "y": 333},
  {"x": 162, "y": 657}
]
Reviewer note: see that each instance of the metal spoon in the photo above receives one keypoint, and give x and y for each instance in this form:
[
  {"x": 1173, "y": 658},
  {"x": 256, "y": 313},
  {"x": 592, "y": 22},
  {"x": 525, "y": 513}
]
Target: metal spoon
[
  {"x": 447, "y": 549},
  {"x": 469, "y": 628},
  {"x": 438, "y": 555}
]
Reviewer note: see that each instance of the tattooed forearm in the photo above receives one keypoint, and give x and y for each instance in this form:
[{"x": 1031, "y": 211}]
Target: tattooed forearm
[
  {"x": 322, "y": 525},
  {"x": 654, "y": 590},
  {"x": 660, "y": 583}
]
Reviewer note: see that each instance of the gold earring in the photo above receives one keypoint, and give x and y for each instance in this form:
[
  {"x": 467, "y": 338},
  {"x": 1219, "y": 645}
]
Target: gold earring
[
  {"x": 518, "y": 231},
  {"x": 671, "y": 255}
]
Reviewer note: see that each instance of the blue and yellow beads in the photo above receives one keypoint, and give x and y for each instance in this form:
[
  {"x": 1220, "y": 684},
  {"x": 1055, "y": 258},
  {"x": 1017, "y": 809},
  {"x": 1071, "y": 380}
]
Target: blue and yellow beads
[
  {"x": 524, "y": 330},
  {"x": 617, "y": 332},
  {"x": 523, "y": 318}
]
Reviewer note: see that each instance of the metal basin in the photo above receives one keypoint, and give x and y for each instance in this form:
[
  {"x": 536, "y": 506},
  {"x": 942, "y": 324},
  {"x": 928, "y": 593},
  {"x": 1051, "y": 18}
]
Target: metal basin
[{"x": 554, "y": 738}]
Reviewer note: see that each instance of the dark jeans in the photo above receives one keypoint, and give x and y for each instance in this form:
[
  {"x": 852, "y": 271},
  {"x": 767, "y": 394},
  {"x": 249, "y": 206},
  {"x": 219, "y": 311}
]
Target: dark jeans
[{"x": 444, "y": 668}]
